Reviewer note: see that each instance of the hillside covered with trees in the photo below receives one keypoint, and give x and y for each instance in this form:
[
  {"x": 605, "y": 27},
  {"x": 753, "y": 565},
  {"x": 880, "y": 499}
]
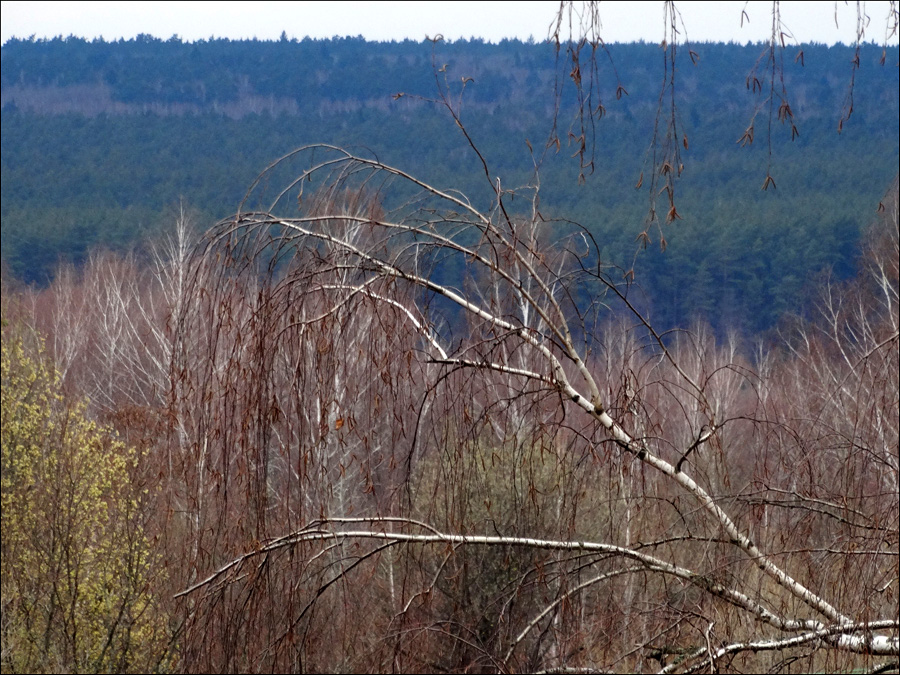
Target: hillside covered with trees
[{"x": 102, "y": 141}]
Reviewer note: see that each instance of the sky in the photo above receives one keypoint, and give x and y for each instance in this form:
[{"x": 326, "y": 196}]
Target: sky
[{"x": 492, "y": 21}]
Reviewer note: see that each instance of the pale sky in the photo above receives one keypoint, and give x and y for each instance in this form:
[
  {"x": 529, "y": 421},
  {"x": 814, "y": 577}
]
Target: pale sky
[{"x": 493, "y": 21}]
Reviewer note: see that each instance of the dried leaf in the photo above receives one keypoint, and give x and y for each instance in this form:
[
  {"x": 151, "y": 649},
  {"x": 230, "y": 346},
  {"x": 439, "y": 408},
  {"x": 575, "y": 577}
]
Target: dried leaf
[
  {"x": 672, "y": 214},
  {"x": 640, "y": 181},
  {"x": 576, "y": 75},
  {"x": 784, "y": 112}
]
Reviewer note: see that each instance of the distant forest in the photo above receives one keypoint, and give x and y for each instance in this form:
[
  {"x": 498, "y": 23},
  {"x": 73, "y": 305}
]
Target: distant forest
[{"x": 101, "y": 142}]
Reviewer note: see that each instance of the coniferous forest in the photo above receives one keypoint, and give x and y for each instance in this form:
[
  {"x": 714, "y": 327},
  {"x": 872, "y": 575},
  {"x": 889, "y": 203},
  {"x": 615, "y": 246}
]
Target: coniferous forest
[
  {"x": 334, "y": 355},
  {"x": 103, "y": 140}
]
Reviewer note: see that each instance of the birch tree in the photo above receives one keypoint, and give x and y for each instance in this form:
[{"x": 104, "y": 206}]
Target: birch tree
[{"x": 556, "y": 487}]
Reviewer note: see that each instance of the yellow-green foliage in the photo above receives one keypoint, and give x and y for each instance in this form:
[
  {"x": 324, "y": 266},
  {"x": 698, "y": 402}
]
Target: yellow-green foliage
[{"x": 76, "y": 562}]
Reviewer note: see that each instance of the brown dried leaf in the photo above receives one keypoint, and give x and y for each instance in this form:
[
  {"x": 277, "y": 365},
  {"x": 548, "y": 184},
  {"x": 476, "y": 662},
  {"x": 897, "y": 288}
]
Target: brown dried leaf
[
  {"x": 576, "y": 75},
  {"x": 672, "y": 214},
  {"x": 784, "y": 112}
]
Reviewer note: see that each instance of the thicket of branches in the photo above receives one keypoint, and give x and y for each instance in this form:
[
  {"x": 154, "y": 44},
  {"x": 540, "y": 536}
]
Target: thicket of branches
[{"x": 404, "y": 433}]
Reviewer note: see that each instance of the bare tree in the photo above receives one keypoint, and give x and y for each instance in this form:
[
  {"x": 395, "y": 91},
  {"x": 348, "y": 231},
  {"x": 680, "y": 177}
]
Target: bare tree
[{"x": 416, "y": 408}]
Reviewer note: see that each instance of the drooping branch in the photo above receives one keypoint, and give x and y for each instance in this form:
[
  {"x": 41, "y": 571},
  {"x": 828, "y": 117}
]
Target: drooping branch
[{"x": 487, "y": 319}]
